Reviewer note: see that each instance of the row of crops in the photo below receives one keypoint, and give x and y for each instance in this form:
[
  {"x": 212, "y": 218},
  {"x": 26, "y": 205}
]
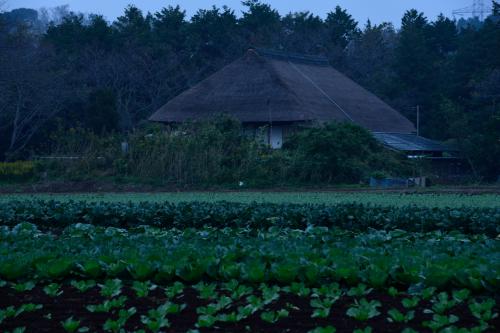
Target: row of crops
[
  {"x": 228, "y": 267},
  {"x": 353, "y": 216},
  {"x": 441, "y": 200}
]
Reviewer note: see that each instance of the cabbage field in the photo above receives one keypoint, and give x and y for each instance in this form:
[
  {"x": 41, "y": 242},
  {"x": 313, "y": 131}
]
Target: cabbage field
[
  {"x": 394, "y": 263},
  {"x": 442, "y": 200}
]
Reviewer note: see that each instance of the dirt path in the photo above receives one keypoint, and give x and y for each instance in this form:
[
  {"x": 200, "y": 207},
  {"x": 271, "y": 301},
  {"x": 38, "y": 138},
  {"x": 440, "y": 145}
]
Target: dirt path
[{"x": 108, "y": 187}]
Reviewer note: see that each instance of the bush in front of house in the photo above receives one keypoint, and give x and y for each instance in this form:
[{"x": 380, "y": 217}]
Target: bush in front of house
[
  {"x": 218, "y": 153},
  {"x": 198, "y": 153},
  {"x": 340, "y": 153},
  {"x": 205, "y": 152}
]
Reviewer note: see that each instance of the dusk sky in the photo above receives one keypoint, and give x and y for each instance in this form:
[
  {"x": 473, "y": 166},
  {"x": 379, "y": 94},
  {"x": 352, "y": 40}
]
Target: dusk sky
[{"x": 378, "y": 11}]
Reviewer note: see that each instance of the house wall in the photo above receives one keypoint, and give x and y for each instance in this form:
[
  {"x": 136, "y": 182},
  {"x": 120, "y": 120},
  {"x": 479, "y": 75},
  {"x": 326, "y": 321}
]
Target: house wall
[
  {"x": 273, "y": 135},
  {"x": 276, "y": 137}
]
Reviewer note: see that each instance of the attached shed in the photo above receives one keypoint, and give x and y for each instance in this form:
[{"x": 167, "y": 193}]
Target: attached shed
[
  {"x": 415, "y": 145},
  {"x": 444, "y": 160}
]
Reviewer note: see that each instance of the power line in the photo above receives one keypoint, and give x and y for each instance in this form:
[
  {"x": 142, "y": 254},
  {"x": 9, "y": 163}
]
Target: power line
[{"x": 478, "y": 10}]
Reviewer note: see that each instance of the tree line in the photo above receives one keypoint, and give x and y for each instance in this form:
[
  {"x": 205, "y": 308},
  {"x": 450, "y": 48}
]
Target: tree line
[{"x": 83, "y": 71}]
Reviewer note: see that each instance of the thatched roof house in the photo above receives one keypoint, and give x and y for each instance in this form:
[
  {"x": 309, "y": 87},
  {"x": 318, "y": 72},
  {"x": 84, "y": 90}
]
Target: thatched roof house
[{"x": 280, "y": 90}]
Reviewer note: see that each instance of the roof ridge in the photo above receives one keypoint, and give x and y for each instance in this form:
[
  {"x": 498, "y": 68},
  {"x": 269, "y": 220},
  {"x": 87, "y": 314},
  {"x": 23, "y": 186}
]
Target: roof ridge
[{"x": 293, "y": 57}]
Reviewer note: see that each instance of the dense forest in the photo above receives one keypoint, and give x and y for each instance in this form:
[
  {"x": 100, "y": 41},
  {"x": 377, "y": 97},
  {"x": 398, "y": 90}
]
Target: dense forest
[{"x": 63, "y": 70}]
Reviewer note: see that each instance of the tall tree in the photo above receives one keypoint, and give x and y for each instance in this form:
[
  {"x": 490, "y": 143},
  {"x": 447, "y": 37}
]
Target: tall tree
[
  {"x": 133, "y": 27},
  {"x": 443, "y": 36},
  {"x": 67, "y": 35},
  {"x": 341, "y": 27},
  {"x": 98, "y": 33},
  {"x": 260, "y": 22},
  {"x": 170, "y": 28},
  {"x": 303, "y": 32},
  {"x": 213, "y": 39},
  {"x": 370, "y": 58},
  {"x": 413, "y": 55}
]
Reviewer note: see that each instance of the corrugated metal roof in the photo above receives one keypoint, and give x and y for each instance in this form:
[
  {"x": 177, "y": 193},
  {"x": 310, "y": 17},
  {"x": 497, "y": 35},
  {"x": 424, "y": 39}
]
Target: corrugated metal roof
[{"x": 411, "y": 142}]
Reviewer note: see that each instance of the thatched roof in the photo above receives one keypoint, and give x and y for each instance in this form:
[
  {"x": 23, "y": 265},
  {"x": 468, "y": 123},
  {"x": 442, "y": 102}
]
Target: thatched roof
[{"x": 266, "y": 86}]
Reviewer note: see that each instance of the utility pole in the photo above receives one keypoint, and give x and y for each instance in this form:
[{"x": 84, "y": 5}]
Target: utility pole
[
  {"x": 418, "y": 120},
  {"x": 416, "y": 108}
]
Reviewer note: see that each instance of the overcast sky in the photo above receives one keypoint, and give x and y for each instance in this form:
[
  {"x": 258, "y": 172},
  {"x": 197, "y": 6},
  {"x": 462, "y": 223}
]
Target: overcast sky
[{"x": 377, "y": 10}]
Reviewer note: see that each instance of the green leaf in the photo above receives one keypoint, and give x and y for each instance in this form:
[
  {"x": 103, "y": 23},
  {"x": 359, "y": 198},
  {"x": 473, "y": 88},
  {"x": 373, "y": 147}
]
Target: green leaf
[
  {"x": 254, "y": 272},
  {"x": 91, "y": 269},
  {"x": 70, "y": 325},
  {"x": 53, "y": 290},
  {"x": 55, "y": 268},
  {"x": 141, "y": 271},
  {"x": 13, "y": 270},
  {"x": 205, "y": 321},
  {"x": 364, "y": 310}
]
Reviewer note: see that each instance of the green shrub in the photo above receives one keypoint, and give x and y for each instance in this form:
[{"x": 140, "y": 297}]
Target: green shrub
[
  {"x": 339, "y": 153},
  {"x": 218, "y": 153},
  {"x": 16, "y": 171},
  {"x": 80, "y": 154}
]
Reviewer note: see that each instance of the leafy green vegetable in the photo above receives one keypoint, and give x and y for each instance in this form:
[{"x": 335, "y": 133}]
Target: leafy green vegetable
[
  {"x": 410, "y": 303},
  {"x": 83, "y": 286},
  {"x": 117, "y": 325},
  {"x": 70, "y": 325},
  {"x": 442, "y": 303},
  {"x": 53, "y": 290},
  {"x": 322, "y": 307},
  {"x": 439, "y": 321},
  {"x": 273, "y": 316},
  {"x": 206, "y": 321},
  {"x": 461, "y": 295},
  {"x": 483, "y": 311},
  {"x": 411, "y": 218},
  {"x": 393, "y": 292},
  {"x": 111, "y": 288},
  {"x": 298, "y": 289},
  {"x": 30, "y": 307},
  {"x": 360, "y": 290},
  {"x": 108, "y": 305},
  {"x": 176, "y": 289},
  {"x": 364, "y": 310},
  {"x": 157, "y": 318},
  {"x": 398, "y": 317},
  {"x": 142, "y": 289},
  {"x": 23, "y": 287},
  {"x": 207, "y": 291}
]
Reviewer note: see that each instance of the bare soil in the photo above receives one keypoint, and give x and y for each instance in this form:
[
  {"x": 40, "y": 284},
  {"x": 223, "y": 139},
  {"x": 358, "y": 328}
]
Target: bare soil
[
  {"x": 72, "y": 303},
  {"x": 61, "y": 187}
]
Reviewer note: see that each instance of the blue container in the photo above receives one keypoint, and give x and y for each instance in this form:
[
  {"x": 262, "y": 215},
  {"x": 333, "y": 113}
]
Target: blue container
[{"x": 389, "y": 182}]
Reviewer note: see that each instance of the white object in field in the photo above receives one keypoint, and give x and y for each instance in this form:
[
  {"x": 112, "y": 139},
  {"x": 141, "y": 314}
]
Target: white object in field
[{"x": 276, "y": 137}]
